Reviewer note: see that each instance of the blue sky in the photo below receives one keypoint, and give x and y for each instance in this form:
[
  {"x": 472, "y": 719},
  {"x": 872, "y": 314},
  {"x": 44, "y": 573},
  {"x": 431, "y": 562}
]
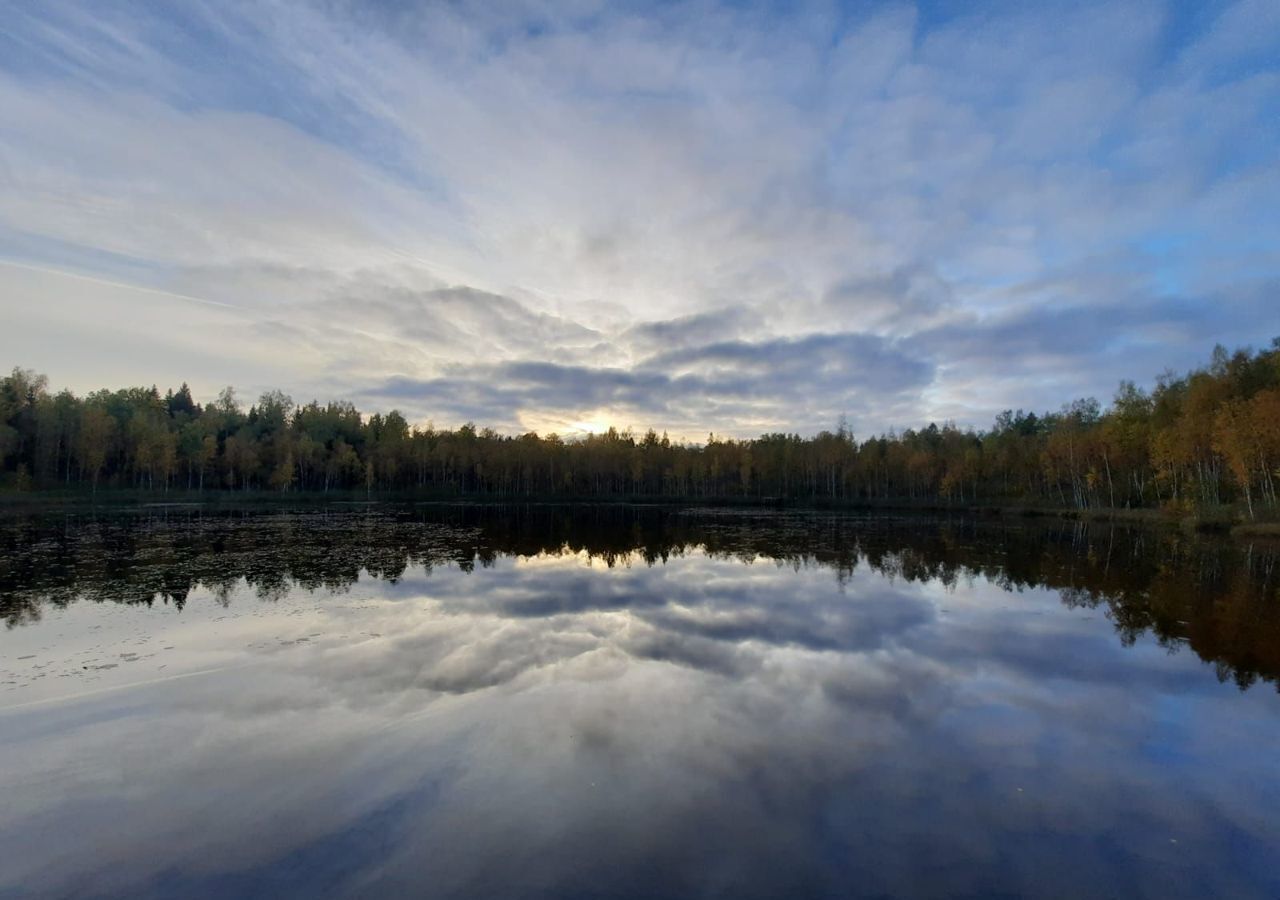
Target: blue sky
[{"x": 692, "y": 216}]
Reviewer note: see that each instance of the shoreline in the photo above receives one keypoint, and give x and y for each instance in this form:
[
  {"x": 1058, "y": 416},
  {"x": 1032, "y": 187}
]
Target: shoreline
[{"x": 1222, "y": 522}]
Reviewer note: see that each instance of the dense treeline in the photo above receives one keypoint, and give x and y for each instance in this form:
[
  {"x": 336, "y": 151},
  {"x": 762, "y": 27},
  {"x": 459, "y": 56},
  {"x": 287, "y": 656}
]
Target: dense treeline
[{"x": 1209, "y": 437}]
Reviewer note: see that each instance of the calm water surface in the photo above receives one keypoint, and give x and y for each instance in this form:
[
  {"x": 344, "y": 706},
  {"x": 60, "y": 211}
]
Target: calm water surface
[{"x": 636, "y": 702}]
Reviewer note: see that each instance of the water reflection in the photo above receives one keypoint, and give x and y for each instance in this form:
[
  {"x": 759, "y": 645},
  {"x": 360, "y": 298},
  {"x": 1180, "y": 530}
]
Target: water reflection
[
  {"x": 1218, "y": 597},
  {"x": 549, "y": 702}
]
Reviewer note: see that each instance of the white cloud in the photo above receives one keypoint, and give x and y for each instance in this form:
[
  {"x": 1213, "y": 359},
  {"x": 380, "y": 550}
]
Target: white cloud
[{"x": 440, "y": 193}]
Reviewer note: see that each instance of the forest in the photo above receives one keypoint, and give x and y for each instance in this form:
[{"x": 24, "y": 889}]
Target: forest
[{"x": 1207, "y": 438}]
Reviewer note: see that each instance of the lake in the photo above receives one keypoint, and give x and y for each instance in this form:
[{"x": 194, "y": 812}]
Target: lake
[{"x": 557, "y": 701}]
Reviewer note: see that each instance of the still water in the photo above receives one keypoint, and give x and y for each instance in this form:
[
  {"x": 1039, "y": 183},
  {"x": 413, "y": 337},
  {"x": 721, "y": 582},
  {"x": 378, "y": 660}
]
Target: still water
[{"x": 554, "y": 701}]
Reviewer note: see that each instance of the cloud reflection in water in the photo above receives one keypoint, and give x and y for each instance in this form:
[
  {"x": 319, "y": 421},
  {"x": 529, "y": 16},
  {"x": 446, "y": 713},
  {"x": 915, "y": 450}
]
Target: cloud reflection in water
[{"x": 718, "y": 723}]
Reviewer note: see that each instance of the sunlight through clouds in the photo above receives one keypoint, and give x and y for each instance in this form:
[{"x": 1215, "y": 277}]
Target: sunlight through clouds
[{"x": 526, "y": 216}]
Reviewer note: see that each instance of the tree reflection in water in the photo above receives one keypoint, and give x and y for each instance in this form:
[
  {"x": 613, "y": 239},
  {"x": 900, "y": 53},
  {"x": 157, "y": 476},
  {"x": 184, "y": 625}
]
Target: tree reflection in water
[{"x": 1220, "y": 598}]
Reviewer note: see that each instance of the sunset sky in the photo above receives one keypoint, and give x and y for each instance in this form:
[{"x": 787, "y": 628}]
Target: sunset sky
[{"x": 736, "y": 217}]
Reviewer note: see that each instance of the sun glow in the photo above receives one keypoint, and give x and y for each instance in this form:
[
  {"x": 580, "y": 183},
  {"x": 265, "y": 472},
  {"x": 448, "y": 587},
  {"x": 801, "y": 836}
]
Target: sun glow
[{"x": 589, "y": 426}]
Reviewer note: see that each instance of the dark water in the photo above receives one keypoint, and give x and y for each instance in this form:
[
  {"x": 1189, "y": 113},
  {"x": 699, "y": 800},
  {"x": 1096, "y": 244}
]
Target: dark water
[{"x": 558, "y": 702}]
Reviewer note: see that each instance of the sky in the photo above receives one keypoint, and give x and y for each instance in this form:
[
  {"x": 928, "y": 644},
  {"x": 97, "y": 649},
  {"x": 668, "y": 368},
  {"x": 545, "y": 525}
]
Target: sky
[{"x": 728, "y": 217}]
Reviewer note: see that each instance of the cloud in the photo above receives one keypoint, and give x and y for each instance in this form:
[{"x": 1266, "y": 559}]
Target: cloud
[
  {"x": 907, "y": 298},
  {"x": 684, "y": 331},
  {"x": 757, "y": 386},
  {"x": 572, "y": 197}
]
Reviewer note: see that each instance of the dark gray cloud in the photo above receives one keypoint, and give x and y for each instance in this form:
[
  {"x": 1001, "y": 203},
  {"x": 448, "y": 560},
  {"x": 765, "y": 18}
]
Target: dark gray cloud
[
  {"x": 907, "y": 297},
  {"x": 1073, "y": 341},
  {"x": 759, "y": 384},
  {"x": 682, "y": 331}
]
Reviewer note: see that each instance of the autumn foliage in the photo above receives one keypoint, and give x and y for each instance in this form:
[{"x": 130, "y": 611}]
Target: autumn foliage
[{"x": 1206, "y": 438}]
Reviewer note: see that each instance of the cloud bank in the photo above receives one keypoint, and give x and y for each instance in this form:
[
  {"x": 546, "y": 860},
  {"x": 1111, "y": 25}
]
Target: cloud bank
[{"x": 696, "y": 216}]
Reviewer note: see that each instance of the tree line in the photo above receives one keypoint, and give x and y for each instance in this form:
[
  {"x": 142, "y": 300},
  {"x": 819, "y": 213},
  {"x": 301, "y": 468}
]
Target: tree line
[{"x": 1204, "y": 438}]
